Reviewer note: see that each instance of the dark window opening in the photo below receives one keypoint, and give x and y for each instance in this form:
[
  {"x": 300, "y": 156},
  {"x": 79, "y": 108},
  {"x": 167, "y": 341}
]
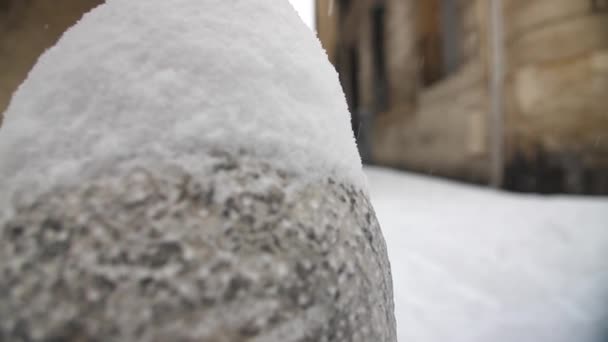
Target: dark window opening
[
  {"x": 378, "y": 42},
  {"x": 439, "y": 40},
  {"x": 598, "y": 6},
  {"x": 344, "y": 7},
  {"x": 451, "y": 33},
  {"x": 5, "y": 5},
  {"x": 429, "y": 42}
]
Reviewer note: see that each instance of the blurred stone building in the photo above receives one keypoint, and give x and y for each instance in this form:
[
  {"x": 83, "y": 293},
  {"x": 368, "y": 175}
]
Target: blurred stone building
[{"x": 509, "y": 92}]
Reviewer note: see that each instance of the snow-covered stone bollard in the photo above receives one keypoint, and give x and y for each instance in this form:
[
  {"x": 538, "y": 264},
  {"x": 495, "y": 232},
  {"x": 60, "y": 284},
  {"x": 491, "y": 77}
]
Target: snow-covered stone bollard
[{"x": 185, "y": 171}]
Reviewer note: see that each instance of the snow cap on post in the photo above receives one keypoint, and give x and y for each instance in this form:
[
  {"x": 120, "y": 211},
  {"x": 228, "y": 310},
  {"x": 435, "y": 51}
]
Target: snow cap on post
[{"x": 136, "y": 79}]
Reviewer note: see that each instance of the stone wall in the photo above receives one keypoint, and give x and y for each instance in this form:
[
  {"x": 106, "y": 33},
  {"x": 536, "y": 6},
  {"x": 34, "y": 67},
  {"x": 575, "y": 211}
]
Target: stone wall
[
  {"x": 27, "y": 29},
  {"x": 438, "y": 129},
  {"x": 557, "y": 109},
  {"x": 447, "y": 134}
]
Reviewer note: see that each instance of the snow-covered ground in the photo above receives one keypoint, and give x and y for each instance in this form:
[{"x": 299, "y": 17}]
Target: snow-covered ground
[{"x": 472, "y": 264}]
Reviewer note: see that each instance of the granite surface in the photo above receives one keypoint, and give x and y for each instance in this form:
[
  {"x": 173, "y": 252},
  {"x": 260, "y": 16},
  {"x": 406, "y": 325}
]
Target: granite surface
[{"x": 238, "y": 252}]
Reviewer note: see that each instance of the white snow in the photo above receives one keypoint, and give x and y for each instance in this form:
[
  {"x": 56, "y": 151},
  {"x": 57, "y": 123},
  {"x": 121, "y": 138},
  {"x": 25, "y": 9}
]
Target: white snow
[
  {"x": 167, "y": 79},
  {"x": 471, "y": 264}
]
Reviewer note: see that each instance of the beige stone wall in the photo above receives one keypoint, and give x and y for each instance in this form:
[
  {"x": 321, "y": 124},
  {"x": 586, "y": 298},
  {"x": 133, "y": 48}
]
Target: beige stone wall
[
  {"x": 447, "y": 135},
  {"x": 558, "y": 80},
  {"x": 555, "y": 97},
  {"x": 27, "y": 29},
  {"x": 441, "y": 129},
  {"x": 444, "y": 130}
]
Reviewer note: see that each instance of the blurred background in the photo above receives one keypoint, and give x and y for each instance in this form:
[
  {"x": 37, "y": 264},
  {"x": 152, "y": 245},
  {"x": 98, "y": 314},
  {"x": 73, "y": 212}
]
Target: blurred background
[{"x": 510, "y": 93}]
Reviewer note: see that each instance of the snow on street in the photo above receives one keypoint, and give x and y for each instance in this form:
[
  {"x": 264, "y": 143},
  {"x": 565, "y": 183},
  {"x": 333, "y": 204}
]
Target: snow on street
[{"x": 473, "y": 264}]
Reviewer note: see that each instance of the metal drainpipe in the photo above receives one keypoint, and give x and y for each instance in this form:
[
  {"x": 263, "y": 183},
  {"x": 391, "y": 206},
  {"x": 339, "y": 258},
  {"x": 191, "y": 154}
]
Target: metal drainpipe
[{"x": 496, "y": 89}]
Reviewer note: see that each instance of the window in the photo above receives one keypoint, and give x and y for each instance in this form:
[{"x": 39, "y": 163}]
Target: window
[
  {"x": 5, "y": 5},
  {"x": 451, "y": 35},
  {"x": 344, "y": 7},
  {"x": 429, "y": 41},
  {"x": 379, "y": 53},
  {"x": 598, "y": 6},
  {"x": 439, "y": 39}
]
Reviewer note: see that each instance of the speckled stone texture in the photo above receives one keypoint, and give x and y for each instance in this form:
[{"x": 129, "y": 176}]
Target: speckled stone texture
[{"x": 239, "y": 252}]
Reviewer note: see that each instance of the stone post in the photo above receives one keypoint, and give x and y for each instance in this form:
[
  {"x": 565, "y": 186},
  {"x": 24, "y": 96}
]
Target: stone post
[{"x": 193, "y": 178}]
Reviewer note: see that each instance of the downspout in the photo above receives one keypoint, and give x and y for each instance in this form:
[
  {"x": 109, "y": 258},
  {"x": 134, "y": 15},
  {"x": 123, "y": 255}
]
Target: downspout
[{"x": 496, "y": 92}]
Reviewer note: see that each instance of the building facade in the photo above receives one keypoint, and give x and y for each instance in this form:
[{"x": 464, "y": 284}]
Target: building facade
[{"x": 509, "y": 92}]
